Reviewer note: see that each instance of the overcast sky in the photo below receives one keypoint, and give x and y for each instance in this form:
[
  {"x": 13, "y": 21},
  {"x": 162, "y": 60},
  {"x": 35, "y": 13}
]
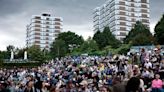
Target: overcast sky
[{"x": 77, "y": 16}]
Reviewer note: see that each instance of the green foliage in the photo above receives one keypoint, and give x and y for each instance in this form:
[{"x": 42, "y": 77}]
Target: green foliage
[
  {"x": 20, "y": 53},
  {"x": 159, "y": 31},
  {"x": 70, "y": 39},
  {"x": 47, "y": 54},
  {"x": 89, "y": 46},
  {"x": 58, "y": 48},
  {"x": 35, "y": 54},
  {"x": 26, "y": 64},
  {"x": 123, "y": 49},
  {"x": 10, "y": 48},
  {"x": 1, "y": 58},
  {"x": 106, "y": 38},
  {"x": 139, "y": 35},
  {"x": 98, "y": 37}
]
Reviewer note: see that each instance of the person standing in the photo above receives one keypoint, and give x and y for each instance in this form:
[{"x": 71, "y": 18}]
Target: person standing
[{"x": 142, "y": 57}]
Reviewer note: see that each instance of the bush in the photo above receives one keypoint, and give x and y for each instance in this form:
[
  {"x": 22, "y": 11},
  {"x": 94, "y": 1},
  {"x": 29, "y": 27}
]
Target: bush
[{"x": 25, "y": 64}]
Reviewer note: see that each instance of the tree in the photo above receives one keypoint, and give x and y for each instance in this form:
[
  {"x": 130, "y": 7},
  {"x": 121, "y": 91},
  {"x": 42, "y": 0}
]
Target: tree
[
  {"x": 98, "y": 37},
  {"x": 159, "y": 31},
  {"x": 35, "y": 54},
  {"x": 20, "y": 53},
  {"x": 70, "y": 39},
  {"x": 106, "y": 38},
  {"x": 1, "y": 58},
  {"x": 89, "y": 46},
  {"x": 139, "y": 35},
  {"x": 8, "y": 52},
  {"x": 58, "y": 48},
  {"x": 110, "y": 38},
  {"x": 10, "y": 48}
]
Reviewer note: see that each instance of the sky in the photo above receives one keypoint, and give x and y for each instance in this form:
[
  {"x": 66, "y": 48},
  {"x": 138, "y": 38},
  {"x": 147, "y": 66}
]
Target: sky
[{"x": 76, "y": 14}]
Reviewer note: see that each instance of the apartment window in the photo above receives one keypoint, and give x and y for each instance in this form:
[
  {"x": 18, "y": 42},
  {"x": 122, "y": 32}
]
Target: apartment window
[
  {"x": 122, "y": 13},
  {"x": 122, "y": 33},
  {"x": 57, "y": 27},
  {"x": 37, "y": 26},
  {"x": 122, "y": 8},
  {"x": 57, "y": 19},
  {"x": 143, "y": 1},
  {"x": 122, "y": 28},
  {"x": 122, "y": 18},
  {"x": 47, "y": 18},
  {"x": 132, "y": 5},
  {"x": 144, "y": 6},
  {"x": 47, "y": 22},
  {"x": 146, "y": 25},
  {"x": 37, "y": 37},
  {"x": 47, "y": 38},
  {"x": 133, "y": 20},
  {"x": 47, "y": 34},
  {"x": 47, "y": 46},
  {"x": 122, "y": 23},
  {"x": 132, "y": 14},
  {"x": 37, "y": 33},
  {"x": 37, "y": 17},
  {"x": 56, "y": 35},
  {"x": 57, "y": 30},
  {"x": 37, "y": 29},
  {"x": 132, "y": 9},
  {"x": 145, "y": 20},
  {"x": 37, "y": 42},
  {"x": 57, "y": 23},
  {"x": 37, "y": 45},
  {"x": 47, "y": 27},
  {"x": 144, "y": 11},
  {"x": 144, "y": 15},
  {"x": 122, "y": 3},
  {"x": 37, "y": 21}
]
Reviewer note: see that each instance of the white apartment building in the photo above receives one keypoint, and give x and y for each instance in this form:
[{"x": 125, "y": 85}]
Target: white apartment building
[
  {"x": 42, "y": 30},
  {"x": 121, "y": 15}
]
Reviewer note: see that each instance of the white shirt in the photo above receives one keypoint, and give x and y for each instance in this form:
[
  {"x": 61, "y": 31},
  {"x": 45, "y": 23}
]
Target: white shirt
[{"x": 148, "y": 64}]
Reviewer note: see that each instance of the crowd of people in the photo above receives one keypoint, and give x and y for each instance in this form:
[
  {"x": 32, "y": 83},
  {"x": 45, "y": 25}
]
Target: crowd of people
[{"x": 142, "y": 72}]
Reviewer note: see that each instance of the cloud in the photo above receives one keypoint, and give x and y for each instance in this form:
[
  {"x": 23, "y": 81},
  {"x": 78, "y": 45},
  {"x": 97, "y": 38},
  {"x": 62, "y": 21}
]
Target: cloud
[
  {"x": 77, "y": 16},
  {"x": 85, "y": 30}
]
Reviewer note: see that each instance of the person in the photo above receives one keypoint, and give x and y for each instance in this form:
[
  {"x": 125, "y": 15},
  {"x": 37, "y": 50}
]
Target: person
[
  {"x": 157, "y": 84},
  {"x": 148, "y": 65},
  {"x": 133, "y": 85},
  {"x": 157, "y": 55},
  {"x": 142, "y": 57},
  {"x": 84, "y": 86},
  {"x": 3, "y": 87},
  {"x": 30, "y": 87},
  {"x": 117, "y": 85},
  {"x": 105, "y": 89},
  {"x": 161, "y": 69}
]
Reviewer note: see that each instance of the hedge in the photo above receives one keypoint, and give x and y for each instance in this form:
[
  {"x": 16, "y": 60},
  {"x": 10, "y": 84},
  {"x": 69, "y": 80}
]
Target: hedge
[{"x": 27, "y": 64}]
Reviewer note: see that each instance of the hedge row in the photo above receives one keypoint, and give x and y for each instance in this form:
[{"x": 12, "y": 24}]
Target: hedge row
[{"x": 12, "y": 65}]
